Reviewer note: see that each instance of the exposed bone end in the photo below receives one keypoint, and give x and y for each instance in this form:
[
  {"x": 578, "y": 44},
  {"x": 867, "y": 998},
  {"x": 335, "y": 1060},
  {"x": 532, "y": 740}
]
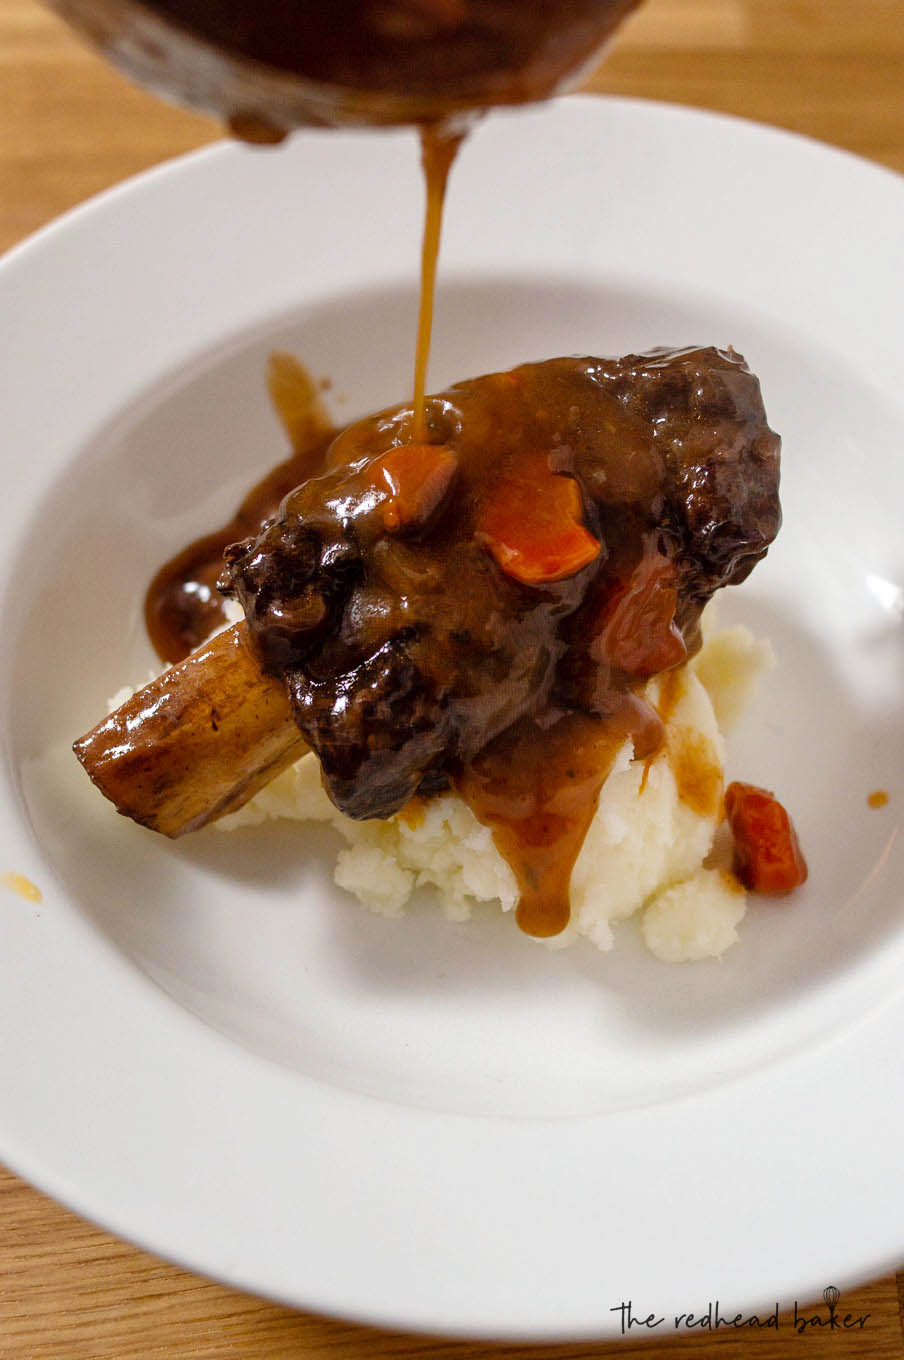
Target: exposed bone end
[{"x": 197, "y": 742}]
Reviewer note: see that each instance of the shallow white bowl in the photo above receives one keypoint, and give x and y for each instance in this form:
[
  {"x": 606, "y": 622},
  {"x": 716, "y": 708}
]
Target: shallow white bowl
[{"x": 214, "y": 1052}]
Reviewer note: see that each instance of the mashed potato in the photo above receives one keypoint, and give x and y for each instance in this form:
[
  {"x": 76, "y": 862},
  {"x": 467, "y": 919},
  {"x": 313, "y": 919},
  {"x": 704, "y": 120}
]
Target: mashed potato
[{"x": 644, "y": 852}]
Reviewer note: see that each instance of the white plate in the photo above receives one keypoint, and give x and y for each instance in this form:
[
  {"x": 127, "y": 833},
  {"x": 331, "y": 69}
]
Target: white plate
[{"x": 213, "y": 1052}]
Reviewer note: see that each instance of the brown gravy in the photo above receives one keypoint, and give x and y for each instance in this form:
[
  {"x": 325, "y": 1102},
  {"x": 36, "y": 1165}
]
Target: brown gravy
[
  {"x": 695, "y": 764},
  {"x": 439, "y": 148},
  {"x": 182, "y": 605},
  {"x": 537, "y": 787}
]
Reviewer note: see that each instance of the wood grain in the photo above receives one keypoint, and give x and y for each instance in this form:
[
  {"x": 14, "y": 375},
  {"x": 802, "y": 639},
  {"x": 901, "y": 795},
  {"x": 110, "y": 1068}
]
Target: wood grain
[
  {"x": 70, "y": 1292},
  {"x": 69, "y": 127}
]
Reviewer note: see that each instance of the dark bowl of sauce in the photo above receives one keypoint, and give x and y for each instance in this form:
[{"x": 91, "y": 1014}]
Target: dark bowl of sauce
[{"x": 268, "y": 67}]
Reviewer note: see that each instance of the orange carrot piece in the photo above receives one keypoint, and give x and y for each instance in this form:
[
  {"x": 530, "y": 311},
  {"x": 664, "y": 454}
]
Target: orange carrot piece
[
  {"x": 533, "y": 526},
  {"x": 767, "y": 856}
]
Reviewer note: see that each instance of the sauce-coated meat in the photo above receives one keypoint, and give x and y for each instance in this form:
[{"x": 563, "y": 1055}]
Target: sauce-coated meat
[{"x": 538, "y": 560}]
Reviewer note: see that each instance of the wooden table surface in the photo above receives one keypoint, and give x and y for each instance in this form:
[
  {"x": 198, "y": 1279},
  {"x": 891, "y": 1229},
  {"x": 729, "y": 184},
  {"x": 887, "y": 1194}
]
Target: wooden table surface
[{"x": 70, "y": 127}]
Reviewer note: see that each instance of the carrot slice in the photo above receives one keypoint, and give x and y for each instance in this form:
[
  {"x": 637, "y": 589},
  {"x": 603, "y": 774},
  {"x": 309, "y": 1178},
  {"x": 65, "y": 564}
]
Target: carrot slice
[
  {"x": 417, "y": 477},
  {"x": 767, "y": 856},
  {"x": 532, "y": 524}
]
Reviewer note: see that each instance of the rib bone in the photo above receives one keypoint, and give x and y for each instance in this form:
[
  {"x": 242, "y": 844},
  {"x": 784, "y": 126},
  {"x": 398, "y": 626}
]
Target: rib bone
[{"x": 197, "y": 742}]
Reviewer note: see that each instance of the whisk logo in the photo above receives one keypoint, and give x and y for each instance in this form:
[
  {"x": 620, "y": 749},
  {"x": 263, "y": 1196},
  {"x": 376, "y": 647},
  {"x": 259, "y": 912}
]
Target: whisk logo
[{"x": 834, "y": 1321}]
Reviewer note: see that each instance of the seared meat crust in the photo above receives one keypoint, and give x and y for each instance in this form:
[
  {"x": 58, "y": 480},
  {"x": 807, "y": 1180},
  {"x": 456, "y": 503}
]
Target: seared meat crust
[{"x": 406, "y": 647}]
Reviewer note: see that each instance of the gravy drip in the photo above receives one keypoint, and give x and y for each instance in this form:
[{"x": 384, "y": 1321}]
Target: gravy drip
[
  {"x": 182, "y": 605},
  {"x": 537, "y": 786},
  {"x": 439, "y": 148}
]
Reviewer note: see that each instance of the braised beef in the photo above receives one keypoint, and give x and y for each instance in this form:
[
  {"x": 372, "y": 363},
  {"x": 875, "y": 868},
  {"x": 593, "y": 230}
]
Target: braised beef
[{"x": 548, "y": 550}]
